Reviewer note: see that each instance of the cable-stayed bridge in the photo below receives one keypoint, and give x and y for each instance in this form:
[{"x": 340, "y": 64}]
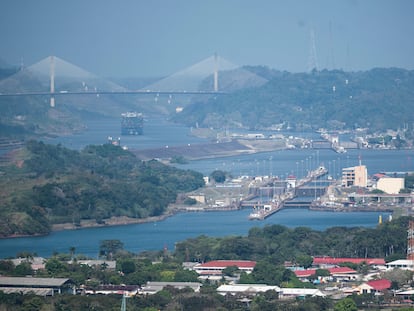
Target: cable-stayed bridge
[{"x": 55, "y": 77}]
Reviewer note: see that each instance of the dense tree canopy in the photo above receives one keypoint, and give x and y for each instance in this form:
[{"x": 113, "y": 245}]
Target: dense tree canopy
[
  {"x": 377, "y": 99},
  {"x": 52, "y": 184},
  {"x": 278, "y": 244}
]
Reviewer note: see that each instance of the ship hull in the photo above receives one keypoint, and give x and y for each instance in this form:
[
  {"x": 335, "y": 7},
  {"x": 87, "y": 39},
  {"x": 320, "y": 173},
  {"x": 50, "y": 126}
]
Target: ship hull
[{"x": 132, "y": 123}]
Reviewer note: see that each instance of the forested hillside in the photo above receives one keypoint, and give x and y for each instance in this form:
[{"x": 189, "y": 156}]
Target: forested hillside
[
  {"x": 49, "y": 184},
  {"x": 377, "y": 99},
  {"x": 277, "y": 244}
]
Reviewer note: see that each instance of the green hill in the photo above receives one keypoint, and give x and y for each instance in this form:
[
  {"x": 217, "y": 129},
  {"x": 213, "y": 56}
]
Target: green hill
[
  {"x": 49, "y": 184},
  {"x": 378, "y": 99}
]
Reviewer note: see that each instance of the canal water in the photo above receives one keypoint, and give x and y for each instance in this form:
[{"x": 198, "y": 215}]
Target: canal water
[{"x": 157, "y": 235}]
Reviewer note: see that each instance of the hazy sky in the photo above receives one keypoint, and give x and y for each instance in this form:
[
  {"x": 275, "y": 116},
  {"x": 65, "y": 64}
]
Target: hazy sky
[{"x": 117, "y": 38}]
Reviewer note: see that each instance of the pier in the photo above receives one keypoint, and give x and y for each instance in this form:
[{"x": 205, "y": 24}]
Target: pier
[{"x": 263, "y": 210}]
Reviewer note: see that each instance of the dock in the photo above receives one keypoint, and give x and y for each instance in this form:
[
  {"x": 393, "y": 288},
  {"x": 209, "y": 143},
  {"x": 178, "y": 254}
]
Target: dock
[{"x": 263, "y": 210}]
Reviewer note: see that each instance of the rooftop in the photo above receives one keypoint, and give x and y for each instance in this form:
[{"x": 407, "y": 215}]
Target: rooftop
[
  {"x": 228, "y": 263},
  {"x": 379, "y": 284},
  {"x": 337, "y": 261},
  {"x": 31, "y": 281}
]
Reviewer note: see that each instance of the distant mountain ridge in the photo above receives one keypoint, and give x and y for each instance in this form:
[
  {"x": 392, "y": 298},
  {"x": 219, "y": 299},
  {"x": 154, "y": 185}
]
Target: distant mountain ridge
[
  {"x": 380, "y": 98},
  {"x": 21, "y": 113},
  {"x": 257, "y": 97}
]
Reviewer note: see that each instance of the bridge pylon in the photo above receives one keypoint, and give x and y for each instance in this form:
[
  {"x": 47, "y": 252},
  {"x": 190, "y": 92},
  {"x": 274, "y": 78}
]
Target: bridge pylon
[
  {"x": 52, "y": 81},
  {"x": 215, "y": 72}
]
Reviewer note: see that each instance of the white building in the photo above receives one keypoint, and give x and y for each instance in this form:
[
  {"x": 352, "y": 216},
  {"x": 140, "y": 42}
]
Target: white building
[
  {"x": 217, "y": 266},
  {"x": 246, "y": 289},
  {"x": 154, "y": 287},
  {"x": 390, "y": 185},
  {"x": 290, "y": 293},
  {"x": 401, "y": 264},
  {"x": 253, "y": 289}
]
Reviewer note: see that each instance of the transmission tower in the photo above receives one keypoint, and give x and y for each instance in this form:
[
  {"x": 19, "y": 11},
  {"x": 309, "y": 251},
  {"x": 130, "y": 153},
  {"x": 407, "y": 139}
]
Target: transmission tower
[
  {"x": 331, "y": 45},
  {"x": 123, "y": 304},
  {"x": 313, "y": 59}
]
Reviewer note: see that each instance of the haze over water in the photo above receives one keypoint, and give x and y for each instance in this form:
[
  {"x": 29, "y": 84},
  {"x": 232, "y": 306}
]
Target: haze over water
[{"x": 157, "y": 235}]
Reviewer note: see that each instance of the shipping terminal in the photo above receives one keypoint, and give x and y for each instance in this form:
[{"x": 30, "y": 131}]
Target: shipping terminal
[{"x": 132, "y": 123}]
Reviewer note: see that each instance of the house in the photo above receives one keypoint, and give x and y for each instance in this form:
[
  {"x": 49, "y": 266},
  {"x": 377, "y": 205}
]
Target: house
[
  {"x": 291, "y": 293},
  {"x": 304, "y": 275},
  {"x": 154, "y": 287},
  {"x": 406, "y": 295},
  {"x": 249, "y": 290},
  {"x": 335, "y": 273},
  {"x": 215, "y": 268},
  {"x": 401, "y": 264},
  {"x": 127, "y": 290},
  {"x": 373, "y": 286},
  {"x": 327, "y": 262},
  {"x": 109, "y": 264},
  {"x": 342, "y": 274},
  {"x": 246, "y": 290},
  {"x": 36, "y": 263},
  {"x": 38, "y": 286}
]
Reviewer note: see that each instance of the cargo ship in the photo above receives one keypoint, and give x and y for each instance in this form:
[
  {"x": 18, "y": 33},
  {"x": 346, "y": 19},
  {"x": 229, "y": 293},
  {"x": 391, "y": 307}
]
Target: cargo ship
[{"x": 132, "y": 123}]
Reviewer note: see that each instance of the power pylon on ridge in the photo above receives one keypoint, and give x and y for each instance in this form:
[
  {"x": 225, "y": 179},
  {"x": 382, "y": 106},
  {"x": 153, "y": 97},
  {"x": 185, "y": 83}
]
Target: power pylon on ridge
[{"x": 313, "y": 59}]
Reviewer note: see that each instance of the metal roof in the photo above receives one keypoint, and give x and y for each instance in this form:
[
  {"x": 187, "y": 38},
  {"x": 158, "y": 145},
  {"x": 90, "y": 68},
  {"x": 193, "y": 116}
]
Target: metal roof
[
  {"x": 152, "y": 287},
  {"x": 31, "y": 281},
  {"x": 27, "y": 290},
  {"x": 221, "y": 264}
]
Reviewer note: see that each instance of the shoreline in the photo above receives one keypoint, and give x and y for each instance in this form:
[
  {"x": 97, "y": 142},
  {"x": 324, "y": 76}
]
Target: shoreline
[
  {"x": 111, "y": 222},
  {"x": 125, "y": 221},
  {"x": 119, "y": 221}
]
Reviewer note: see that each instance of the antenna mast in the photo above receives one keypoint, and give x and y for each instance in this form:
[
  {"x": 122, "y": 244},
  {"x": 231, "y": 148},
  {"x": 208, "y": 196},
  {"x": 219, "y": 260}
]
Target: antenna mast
[
  {"x": 313, "y": 60},
  {"x": 331, "y": 50}
]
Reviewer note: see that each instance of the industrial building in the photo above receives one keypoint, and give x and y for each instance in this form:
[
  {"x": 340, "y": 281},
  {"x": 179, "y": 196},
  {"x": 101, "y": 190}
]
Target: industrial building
[
  {"x": 390, "y": 185},
  {"x": 38, "y": 286},
  {"x": 355, "y": 176}
]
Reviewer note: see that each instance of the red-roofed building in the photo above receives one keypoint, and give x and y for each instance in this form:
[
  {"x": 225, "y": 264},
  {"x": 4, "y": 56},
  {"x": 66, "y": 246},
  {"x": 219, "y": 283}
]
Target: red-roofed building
[
  {"x": 343, "y": 274},
  {"x": 332, "y": 261},
  {"x": 374, "y": 286},
  {"x": 216, "y": 267},
  {"x": 338, "y": 273},
  {"x": 341, "y": 270},
  {"x": 304, "y": 273}
]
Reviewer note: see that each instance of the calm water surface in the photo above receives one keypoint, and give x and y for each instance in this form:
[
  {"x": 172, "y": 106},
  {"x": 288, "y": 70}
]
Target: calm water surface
[{"x": 157, "y": 235}]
